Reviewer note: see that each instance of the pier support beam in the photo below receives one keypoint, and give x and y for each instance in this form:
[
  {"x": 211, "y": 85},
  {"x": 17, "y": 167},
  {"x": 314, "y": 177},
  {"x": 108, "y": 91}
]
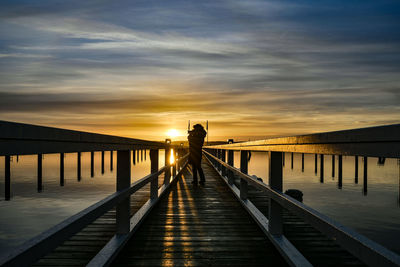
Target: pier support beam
[
  {"x": 333, "y": 165},
  {"x": 102, "y": 162},
  {"x": 39, "y": 173},
  {"x": 321, "y": 174},
  {"x": 78, "y": 168},
  {"x": 243, "y": 169},
  {"x": 153, "y": 169},
  {"x": 111, "y": 160},
  {"x": 291, "y": 161},
  {"x": 134, "y": 157},
  {"x": 283, "y": 159},
  {"x": 365, "y": 184},
  {"x": 230, "y": 162},
  {"x": 340, "y": 171},
  {"x": 91, "y": 163},
  {"x": 316, "y": 163},
  {"x": 302, "y": 162},
  {"x": 61, "y": 169},
  {"x": 275, "y": 182},
  {"x": 7, "y": 177},
  {"x": 123, "y": 181},
  {"x": 356, "y": 169}
]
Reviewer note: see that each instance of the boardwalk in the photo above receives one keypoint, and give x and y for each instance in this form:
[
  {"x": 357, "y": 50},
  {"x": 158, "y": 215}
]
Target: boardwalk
[{"x": 199, "y": 226}]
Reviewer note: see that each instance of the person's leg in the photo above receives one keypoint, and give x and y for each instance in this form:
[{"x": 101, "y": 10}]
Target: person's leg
[
  {"x": 202, "y": 178},
  {"x": 194, "y": 170}
]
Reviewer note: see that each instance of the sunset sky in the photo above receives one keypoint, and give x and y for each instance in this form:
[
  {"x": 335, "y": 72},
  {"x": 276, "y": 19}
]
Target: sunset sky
[{"x": 254, "y": 69}]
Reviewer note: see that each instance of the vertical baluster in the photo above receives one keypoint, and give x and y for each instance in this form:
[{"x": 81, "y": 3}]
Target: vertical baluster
[
  {"x": 154, "y": 168},
  {"x": 283, "y": 159},
  {"x": 243, "y": 169},
  {"x": 137, "y": 156},
  {"x": 316, "y": 163},
  {"x": 321, "y": 175},
  {"x": 167, "y": 173},
  {"x": 291, "y": 162},
  {"x": 340, "y": 171},
  {"x": 145, "y": 152},
  {"x": 123, "y": 182},
  {"x": 134, "y": 157},
  {"x": 365, "y": 185},
  {"x": 61, "y": 169},
  {"x": 39, "y": 173},
  {"x": 356, "y": 169},
  {"x": 141, "y": 155},
  {"x": 333, "y": 165},
  {"x": 230, "y": 162},
  {"x": 7, "y": 177},
  {"x": 219, "y": 157},
  {"x": 102, "y": 162},
  {"x": 223, "y": 158},
  {"x": 173, "y": 163},
  {"x": 302, "y": 162},
  {"x": 111, "y": 160},
  {"x": 91, "y": 163},
  {"x": 275, "y": 182}
]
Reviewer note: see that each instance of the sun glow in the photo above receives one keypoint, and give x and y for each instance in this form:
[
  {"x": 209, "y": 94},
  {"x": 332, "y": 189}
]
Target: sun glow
[{"x": 172, "y": 133}]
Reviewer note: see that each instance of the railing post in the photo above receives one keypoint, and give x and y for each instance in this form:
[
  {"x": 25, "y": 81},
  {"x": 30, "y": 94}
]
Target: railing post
[
  {"x": 167, "y": 173},
  {"x": 174, "y": 163},
  {"x": 91, "y": 163},
  {"x": 321, "y": 174},
  {"x": 111, "y": 160},
  {"x": 123, "y": 182},
  {"x": 230, "y": 162},
  {"x": 333, "y": 165},
  {"x": 154, "y": 168},
  {"x": 39, "y": 173},
  {"x": 133, "y": 157},
  {"x": 275, "y": 182},
  {"x": 61, "y": 169},
  {"x": 365, "y": 184},
  {"x": 340, "y": 171},
  {"x": 79, "y": 173},
  {"x": 223, "y": 158},
  {"x": 283, "y": 159},
  {"x": 243, "y": 169},
  {"x": 7, "y": 177},
  {"x": 302, "y": 162},
  {"x": 102, "y": 162}
]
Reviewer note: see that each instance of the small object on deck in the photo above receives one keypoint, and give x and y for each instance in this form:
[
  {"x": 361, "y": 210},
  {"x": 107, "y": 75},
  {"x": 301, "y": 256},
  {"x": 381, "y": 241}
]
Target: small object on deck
[
  {"x": 257, "y": 178},
  {"x": 296, "y": 194}
]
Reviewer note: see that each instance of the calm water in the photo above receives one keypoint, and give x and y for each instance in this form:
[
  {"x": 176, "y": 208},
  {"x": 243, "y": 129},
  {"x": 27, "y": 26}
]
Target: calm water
[
  {"x": 30, "y": 213},
  {"x": 376, "y": 215}
]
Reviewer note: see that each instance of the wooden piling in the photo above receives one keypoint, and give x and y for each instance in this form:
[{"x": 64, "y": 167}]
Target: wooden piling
[
  {"x": 61, "y": 169},
  {"x": 39, "y": 173},
  {"x": 7, "y": 177}
]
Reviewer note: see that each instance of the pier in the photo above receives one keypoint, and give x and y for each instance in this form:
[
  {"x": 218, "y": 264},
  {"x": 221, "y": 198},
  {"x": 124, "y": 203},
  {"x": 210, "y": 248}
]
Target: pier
[{"x": 164, "y": 220}]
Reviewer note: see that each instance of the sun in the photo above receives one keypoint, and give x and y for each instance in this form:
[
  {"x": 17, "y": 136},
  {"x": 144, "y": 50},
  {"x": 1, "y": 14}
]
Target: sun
[{"x": 172, "y": 133}]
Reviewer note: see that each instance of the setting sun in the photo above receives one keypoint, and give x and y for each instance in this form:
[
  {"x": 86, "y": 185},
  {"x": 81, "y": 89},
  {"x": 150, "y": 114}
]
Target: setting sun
[{"x": 172, "y": 133}]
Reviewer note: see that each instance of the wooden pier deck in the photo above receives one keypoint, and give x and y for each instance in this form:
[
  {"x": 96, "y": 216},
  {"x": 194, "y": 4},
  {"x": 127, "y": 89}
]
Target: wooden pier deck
[{"x": 199, "y": 226}]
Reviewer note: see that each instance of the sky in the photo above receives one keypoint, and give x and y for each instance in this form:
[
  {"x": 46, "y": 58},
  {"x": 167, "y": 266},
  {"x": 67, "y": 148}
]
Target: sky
[{"x": 253, "y": 69}]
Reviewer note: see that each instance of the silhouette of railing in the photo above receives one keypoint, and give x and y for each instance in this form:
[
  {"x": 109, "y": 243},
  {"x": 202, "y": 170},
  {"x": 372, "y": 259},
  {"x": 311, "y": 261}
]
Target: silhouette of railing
[
  {"x": 381, "y": 142},
  {"x": 24, "y": 139}
]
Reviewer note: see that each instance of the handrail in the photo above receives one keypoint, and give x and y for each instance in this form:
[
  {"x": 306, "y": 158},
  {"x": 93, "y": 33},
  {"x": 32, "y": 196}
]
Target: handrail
[
  {"x": 381, "y": 141},
  {"x": 26, "y": 139},
  {"x": 35, "y": 248},
  {"x": 365, "y": 249}
]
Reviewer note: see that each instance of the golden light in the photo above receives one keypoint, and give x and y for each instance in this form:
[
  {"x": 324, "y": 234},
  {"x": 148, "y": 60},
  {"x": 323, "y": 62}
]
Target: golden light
[
  {"x": 171, "y": 157},
  {"x": 172, "y": 133}
]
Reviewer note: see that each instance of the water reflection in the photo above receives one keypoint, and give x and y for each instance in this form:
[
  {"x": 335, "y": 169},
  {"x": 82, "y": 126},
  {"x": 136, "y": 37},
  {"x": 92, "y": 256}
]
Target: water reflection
[
  {"x": 87, "y": 178},
  {"x": 370, "y": 207}
]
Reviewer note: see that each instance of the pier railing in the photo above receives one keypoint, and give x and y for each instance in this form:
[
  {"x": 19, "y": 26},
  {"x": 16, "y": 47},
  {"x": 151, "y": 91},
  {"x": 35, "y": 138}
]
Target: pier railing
[
  {"x": 24, "y": 139},
  {"x": 368, "y": 142}
]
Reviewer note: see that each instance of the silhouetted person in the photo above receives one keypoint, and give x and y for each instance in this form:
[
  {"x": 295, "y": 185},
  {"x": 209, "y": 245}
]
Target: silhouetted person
[{"x": 196, "y": 141}]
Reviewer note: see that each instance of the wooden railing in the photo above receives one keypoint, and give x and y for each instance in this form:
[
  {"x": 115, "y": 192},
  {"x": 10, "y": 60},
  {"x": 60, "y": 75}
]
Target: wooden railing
[
  {"x": 24, "y": 139},
  {"x": 368, "y": 142}
]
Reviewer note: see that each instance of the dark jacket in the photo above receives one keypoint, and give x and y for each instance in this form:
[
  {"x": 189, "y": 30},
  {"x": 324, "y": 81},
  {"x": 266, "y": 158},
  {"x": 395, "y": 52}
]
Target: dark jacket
[{"x": 196, "y": 141}]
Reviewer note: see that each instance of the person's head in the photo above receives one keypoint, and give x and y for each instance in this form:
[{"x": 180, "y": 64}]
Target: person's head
[{"x": 198, "y": 127}]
